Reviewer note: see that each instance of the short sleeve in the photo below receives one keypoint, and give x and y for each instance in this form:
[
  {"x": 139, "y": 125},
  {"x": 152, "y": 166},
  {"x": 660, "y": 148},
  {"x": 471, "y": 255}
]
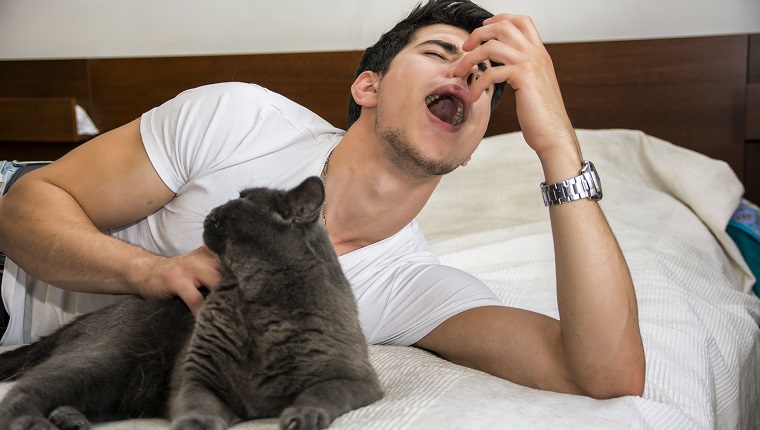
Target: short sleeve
[
  {"x": 198, "y": 129},
  {"x": 404, "y": 292},
  {"x": 425, "y": 295}
]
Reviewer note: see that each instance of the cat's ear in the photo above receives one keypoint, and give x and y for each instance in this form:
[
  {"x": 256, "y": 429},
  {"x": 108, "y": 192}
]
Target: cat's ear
[{"x": 306, "y": 200}]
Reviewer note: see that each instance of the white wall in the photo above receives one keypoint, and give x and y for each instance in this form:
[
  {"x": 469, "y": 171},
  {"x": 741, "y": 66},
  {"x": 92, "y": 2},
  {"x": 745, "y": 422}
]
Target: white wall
[{"x": 117, "y": 28}]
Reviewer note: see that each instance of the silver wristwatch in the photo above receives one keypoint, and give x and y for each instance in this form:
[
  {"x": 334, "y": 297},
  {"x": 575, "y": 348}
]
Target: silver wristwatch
[{"x": 584, "y": 186}]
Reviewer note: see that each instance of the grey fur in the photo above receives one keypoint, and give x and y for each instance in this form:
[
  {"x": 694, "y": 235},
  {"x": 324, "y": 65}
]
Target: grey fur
[{"x": 279, "y": 337}]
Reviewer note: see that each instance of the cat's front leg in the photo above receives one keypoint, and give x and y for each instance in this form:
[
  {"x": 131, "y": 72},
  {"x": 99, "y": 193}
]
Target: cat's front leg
[
  {"x": 199, "y": 423},
  {"x": 30, "y": 422},
  {"x": 304, "y": 418},
  {"x": 24, "y": 405},
  {"x": 69, "y": 418},
  {"x": 317, "y": 406},
  {"x": 195, "y": 407},
  {"x": 62, "y": 418}
]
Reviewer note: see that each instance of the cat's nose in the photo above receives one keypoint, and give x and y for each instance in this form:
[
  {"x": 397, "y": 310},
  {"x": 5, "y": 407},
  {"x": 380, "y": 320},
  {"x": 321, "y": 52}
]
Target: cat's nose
[{"x": 211, "y": 222}]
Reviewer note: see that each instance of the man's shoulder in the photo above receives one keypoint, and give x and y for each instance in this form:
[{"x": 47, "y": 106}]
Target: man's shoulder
[
  {"x": 236, "y": 92},
  {"x": 250, "y": 96}
]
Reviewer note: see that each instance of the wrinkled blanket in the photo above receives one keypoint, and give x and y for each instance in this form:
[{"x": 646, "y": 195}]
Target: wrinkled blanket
[{"x": 668, "y": 208}]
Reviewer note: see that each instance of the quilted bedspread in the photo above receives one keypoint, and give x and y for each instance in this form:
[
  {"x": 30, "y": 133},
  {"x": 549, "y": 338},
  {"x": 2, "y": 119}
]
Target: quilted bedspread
[{"x": 668, "y": 208}]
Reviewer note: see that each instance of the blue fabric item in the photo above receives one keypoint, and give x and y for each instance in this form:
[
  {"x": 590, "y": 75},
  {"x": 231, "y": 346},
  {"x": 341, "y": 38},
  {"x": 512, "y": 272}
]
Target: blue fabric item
[
  {"x": 744, "y": 229},
  {"x": 10, "y": 171}
]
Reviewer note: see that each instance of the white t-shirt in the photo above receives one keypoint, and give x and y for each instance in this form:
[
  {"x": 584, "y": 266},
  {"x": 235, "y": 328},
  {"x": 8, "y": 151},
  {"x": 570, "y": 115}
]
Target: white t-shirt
[{"x": 207, "y": 145}]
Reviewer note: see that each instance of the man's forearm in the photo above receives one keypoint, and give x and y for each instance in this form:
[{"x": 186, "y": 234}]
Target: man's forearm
[
  {"x": 597, "y": 303},
  {"x": 596, "y": 298},
  {"x": 65, "y": 250}
]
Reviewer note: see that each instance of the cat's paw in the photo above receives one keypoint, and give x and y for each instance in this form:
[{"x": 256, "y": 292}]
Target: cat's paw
[
  {"x": 304, "y": 418},
  {"x": 199, "y": 423},
  {"x": 32, "y": 423},
  {"x": 68, "y": 418}
]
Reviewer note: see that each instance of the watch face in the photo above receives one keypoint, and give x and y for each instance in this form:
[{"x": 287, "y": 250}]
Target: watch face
[{"x": 596, "y": 184}]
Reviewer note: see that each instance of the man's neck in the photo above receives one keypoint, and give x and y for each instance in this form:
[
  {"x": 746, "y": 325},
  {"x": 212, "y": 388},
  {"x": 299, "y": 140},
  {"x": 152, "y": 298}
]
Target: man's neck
[{"x": 368, "y": 198}]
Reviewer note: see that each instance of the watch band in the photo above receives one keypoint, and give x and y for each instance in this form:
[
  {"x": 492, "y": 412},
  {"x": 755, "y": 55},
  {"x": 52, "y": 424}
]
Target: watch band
[{"x": 584, "y": 186}]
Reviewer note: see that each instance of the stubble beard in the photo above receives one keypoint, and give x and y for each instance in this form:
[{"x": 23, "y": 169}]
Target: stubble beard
[{"x": 408, "y": 159}]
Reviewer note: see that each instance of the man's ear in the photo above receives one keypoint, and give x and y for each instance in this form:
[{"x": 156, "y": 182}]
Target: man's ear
[{"x": 364, "y": 89}]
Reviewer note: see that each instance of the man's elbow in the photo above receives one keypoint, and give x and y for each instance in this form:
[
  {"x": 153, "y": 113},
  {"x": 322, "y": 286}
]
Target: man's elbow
[
  {"x": 629, "y": 386},
  {"x": 626, "y": 380}
]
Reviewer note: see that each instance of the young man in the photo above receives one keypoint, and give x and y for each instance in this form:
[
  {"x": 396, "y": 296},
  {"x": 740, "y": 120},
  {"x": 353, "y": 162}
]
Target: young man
[{"x": 422, "y": 100}]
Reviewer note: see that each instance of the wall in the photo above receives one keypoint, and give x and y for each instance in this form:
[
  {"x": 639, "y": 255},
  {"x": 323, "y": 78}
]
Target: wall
[{"x": 118, "y": 28}]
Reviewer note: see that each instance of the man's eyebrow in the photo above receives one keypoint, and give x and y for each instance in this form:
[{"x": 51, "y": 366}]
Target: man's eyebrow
[
  {"x": 449, "y": 47},
  {"x": 452, "y": 49}
]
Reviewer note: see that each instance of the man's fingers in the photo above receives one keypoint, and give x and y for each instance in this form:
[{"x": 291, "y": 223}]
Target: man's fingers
[
  {"x": 505, "y": 38},
  {"x": 183, "y": 275},
  {"x": 504, "y": 54},
  {"x": 192, "y": 298},
  {"x": 208, "y": 272},
  {"x": 503, "y": 31},
  {"x": 523, "y": 23},
  {"x": 487, "y": 79},
  {"x": 204, "y": 272}
]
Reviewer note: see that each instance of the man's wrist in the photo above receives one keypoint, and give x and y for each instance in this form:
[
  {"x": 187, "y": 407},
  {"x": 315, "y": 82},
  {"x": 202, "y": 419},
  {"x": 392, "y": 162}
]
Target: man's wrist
[
  {"x": 137, "y": 273},
  {"x": 560, "y": 163},
  {"x": 586, "y": 185}
]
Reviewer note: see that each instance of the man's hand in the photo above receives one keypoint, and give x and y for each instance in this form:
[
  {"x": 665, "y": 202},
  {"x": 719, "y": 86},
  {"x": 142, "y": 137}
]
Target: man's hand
[
  {"x": 526, "y": 66},
  {"x": 182, "y": 276}
]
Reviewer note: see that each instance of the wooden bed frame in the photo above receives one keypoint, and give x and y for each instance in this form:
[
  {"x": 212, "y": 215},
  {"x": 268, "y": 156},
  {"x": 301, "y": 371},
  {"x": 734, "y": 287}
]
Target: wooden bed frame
[{"x": 701, "y": 93}]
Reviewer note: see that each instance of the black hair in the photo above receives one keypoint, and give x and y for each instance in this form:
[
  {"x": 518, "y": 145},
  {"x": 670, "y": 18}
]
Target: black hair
[{"x": 377, "y": 58}]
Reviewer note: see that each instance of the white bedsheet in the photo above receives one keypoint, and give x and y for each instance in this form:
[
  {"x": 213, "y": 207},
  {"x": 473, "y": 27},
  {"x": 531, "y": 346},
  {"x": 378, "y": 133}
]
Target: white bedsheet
[{"x": 668, "y": 208}]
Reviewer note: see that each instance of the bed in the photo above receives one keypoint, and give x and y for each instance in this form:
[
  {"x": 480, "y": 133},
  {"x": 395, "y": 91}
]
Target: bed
[{"x": 672, "y": 125}]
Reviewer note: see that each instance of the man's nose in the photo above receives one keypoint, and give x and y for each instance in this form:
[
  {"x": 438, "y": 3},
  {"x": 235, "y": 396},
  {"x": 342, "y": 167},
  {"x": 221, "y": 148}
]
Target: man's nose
[{"x": 472, "y": 74}]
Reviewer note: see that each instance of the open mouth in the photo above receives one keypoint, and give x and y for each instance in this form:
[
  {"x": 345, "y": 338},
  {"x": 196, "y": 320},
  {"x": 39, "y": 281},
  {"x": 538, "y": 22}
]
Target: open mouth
[{"x": 446, "y": 107}]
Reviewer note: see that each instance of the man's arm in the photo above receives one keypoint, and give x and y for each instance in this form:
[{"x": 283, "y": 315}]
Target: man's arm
[
  {"x": 51, "y": 223},
  {"x": 595, "y": 348}
]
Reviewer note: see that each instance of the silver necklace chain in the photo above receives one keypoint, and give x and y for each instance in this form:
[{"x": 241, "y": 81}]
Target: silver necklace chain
[{"x": 324, "y": 182}]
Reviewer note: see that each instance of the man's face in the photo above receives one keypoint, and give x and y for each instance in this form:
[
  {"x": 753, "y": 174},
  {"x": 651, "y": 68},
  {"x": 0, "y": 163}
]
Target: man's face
[{"x": 423, "y": 111}]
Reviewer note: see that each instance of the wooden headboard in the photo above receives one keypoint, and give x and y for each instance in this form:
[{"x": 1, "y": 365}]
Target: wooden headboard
[{"x": 701, "y": 93}]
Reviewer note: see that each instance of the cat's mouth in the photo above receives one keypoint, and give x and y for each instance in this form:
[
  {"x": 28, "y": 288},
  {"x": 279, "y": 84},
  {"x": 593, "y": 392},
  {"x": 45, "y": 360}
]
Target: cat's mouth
[{"x": 212, "y": 233}]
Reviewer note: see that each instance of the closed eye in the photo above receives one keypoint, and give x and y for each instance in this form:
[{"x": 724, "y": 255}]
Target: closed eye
[{"x": 435, "y": 54}]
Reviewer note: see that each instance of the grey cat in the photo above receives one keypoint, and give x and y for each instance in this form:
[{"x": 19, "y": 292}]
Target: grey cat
[{"x": 279, "y": 336}]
